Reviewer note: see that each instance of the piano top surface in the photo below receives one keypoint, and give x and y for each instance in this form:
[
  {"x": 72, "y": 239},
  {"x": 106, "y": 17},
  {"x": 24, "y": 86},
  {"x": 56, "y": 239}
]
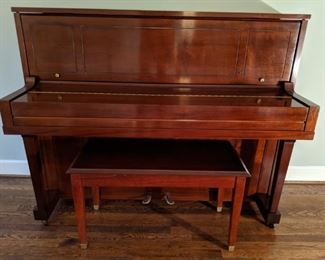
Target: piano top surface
[{"x": 223, "y": 9}]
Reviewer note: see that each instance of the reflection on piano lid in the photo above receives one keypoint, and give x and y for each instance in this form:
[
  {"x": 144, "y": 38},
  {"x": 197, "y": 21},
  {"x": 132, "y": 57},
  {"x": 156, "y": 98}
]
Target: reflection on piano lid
[{"x": 204, "y": 99}]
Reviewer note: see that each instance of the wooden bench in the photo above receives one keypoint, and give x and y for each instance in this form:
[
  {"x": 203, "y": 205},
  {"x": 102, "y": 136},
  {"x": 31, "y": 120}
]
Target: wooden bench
[{"x": 157, "y": 163}]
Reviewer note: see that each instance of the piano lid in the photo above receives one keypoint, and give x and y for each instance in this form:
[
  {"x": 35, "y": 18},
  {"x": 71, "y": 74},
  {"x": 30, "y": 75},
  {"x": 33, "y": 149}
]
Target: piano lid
[
  {"x": 217, "y": 8},
  {"x": 92, "y": 93},
  {"x": 158, "y": 47}
]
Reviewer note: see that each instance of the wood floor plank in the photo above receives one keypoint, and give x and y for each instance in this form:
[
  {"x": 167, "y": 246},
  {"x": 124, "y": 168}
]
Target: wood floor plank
[{"x": 187, "y": 230}]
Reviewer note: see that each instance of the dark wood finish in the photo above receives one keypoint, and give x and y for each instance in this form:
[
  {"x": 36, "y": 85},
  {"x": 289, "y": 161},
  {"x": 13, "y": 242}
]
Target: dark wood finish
[
  {"x": 283, "y": 158},
  {"x": 189, "y": 75},
  {"x": 237, "y": 201},
  {"x": 252, "y": 152},
  {"x": 220, "y": 199},
  {"x": 161, "y": 50},
  {"x": 156, "y": 163},
  {"x": 267, "y": 168},
  {"x": 79, "y": 205},
  {"x": 144, "y": 156},
  {"x": 22, "y": 46},
  {"x": 45, "y": 199},
  {"x": 96, "y": 196},
  {"x": 268, "y": 203},
  {"x": 300, "y": 44}
]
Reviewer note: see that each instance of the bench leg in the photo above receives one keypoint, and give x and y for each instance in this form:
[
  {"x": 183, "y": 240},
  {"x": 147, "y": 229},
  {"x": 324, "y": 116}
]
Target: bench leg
[
  {"x": 221, "y": 193},
  {"x": 79, "y": 206},
  {"x": 96, "y": 197},
  {"x": 237, "y": 201}
]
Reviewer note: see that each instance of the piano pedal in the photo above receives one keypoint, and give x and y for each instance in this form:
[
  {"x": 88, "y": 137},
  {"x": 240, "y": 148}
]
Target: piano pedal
[
  {"x": 167, "y": 198},
  {"x": 147, "y": 199}
]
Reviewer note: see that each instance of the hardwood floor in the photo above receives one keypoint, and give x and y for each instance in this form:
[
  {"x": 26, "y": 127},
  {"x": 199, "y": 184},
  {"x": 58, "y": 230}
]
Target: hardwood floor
[{"x": 187, "y": 230}]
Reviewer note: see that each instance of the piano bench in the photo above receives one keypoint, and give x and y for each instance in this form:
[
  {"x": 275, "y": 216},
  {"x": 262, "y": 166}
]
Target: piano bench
[{"x": 157, "y": 163}]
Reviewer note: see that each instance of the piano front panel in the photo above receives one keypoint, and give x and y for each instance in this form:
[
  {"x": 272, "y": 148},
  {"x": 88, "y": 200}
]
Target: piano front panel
[
  {"x": 60, "y": 39},
  {"x": 160, "y": 50},
  {"x": 270, "y": 53}
]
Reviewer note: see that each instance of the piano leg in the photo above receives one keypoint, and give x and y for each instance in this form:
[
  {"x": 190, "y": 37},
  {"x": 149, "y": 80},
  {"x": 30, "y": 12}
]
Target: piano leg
[
  {"x": 268, "y": 203},
  {"x": 79, "y": 205},
  {"x": 220, "y": 199},
  {"x": 96, "y": 197},
  {"x": 45, "y": 200},
  {"x": 237, "y": 201}
]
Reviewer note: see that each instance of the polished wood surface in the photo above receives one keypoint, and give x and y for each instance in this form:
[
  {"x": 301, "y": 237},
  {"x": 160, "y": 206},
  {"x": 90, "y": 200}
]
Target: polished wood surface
[
  {"x": 159, "y": 75},
  {"x": 200, "y": 109},
  {"x": 159, "y": 50},
  {"x": 157, "y": 163},
  {"x": 170, "y": 157},
  {"x": 129, "y": 230}
]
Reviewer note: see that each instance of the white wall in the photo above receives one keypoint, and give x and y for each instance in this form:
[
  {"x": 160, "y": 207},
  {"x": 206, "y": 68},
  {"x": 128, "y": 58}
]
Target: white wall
[
  {"x": 311, "y": 76},
  {"x": 311, "y": 81}
]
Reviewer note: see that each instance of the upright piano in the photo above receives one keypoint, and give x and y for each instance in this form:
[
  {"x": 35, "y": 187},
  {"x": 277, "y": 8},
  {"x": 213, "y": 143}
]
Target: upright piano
[{"x": 160, "y": 75}]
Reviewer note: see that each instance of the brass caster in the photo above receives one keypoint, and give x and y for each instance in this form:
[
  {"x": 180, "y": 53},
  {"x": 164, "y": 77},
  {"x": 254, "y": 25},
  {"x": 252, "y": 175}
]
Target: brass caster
[
  {"x": 231, "y": 248},
  {"x": 219, "y": 209},
  {"x": 96, "y": 207},
  {"x": 83, "y": 245}
]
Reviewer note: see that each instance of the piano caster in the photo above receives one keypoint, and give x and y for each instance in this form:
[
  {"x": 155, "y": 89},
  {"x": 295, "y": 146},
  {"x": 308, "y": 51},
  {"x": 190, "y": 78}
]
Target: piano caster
[
  {"x": 231, "y": 248},
  {"x": 45, "y": 222},
  {"x": 83, "y": 245},
  {"x": 96, "y": 207},
  {"x": 219, "y": 209},
  {"x": 168, "y": 199},
  {"x": 147, "y": 199}
]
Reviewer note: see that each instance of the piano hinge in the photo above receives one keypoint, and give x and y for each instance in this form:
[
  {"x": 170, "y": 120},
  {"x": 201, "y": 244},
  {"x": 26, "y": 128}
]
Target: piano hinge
[
  {"x": 289, "y": 87},
  {"x": 30, "y": 81}
]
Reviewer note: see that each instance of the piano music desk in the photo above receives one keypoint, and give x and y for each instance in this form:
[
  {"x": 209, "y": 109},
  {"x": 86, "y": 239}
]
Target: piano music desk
[{"x": 157, "y": 163}]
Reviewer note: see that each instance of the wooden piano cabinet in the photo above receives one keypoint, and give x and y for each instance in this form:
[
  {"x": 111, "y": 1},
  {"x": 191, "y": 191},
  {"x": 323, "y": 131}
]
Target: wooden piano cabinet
[
  {"x": 48, "y": 159},
  {"x": 268, "y": 162},
  {"x": 46, "y": 199},
  {"x": 159, "y": 75},
  {"x": 268, "y": 203},
  {"x": 51, "y": 183}
]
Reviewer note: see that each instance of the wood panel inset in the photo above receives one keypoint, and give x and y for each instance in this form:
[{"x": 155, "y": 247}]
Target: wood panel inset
[
  {"x": 160, "y": 51},
  {"x": 267, "y": 54},
  {"x": 53, "y": 48}
]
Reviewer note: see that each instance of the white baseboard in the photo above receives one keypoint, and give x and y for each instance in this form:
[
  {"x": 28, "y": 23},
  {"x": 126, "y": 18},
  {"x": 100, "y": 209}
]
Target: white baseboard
[
  {"x": 306, "y": 173},
  {"x": 295, "y": 173},
  {"x": 14, "y": 167}
]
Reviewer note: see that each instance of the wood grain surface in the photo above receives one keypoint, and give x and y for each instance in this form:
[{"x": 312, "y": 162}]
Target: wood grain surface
[{"x": 187, "y": 230}]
